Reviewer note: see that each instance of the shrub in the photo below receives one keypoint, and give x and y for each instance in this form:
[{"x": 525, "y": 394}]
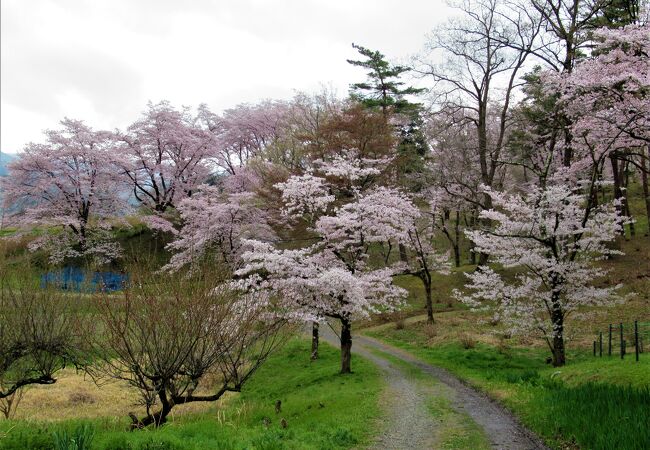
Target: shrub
[
  {"x": 199, "y": 329},
  {"x": 430, "y": 331},
  {"x": 467, "y": 341},
  {"x": 41, "y": 331}
]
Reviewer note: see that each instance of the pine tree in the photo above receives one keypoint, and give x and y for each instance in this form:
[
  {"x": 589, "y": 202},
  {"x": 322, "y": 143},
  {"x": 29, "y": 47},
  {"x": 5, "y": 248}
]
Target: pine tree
[{"x": 383, "y": 90}]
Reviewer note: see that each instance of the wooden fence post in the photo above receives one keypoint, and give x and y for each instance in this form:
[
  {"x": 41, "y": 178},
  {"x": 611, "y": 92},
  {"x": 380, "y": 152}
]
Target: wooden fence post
[
  {"x": 636, "y": 339},
  {"x": 622, "y": 341},
  {"x": 601, "y": 344},
  {"x": 609, "y": 349}
]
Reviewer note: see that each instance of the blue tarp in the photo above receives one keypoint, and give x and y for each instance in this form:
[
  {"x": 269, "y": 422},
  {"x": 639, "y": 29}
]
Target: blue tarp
[{"x": 77, "y": 279}]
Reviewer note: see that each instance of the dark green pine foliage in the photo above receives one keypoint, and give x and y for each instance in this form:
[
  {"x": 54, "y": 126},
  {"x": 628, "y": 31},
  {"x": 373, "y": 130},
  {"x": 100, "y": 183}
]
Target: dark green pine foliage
[
  {"x": 384, "y": 91},
  {"x": 617, "y": 13}
]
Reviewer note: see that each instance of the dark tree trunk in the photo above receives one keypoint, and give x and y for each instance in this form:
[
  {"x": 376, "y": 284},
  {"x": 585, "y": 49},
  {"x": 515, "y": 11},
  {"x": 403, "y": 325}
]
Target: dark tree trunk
[
  {"x": 557, "y": 319},
  {"x": 618, "y": 192},
  {"x": 346, "y": 346},
  {"x": 559, "y": 357},
  {"x": 403, "y": 256},
  {"x": 314, "y": 341},
  {"x": 483, "y": 259},
  {"x": 472, "y": 225},
  {"x": 427, "y": 289},
  {"x": 157, "y": 419},
  {"x": 160, "y": 417},
  {"x": 626, "y": 196},
  {"x": 644, "y": 184},
  {"x": 457, "y": 239}
]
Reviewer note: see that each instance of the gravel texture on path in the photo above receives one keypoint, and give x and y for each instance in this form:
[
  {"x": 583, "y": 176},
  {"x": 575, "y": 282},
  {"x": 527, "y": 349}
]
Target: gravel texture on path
[{"x": 411, "y": 426}]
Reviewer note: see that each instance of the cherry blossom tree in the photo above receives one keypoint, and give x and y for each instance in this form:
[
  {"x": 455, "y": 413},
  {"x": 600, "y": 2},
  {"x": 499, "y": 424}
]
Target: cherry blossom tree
[
  {"x": 67, "y": 182},
  {"x": 333, "y": 277},
  {"x": 215, "y": 223},
  {"x": 553, "y": 242},
  {"x": 606, "y": 97},
  {"x": 245, "y": 132},
  {"x": 423, "y": 260},
  {"x": 165, "y": 156}
]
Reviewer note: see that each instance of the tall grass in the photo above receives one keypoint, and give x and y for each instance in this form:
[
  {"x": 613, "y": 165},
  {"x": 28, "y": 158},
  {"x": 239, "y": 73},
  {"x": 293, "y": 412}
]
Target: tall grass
[
  {"x": 80, "y": 438},
  {"x": 598, "y": 416}
]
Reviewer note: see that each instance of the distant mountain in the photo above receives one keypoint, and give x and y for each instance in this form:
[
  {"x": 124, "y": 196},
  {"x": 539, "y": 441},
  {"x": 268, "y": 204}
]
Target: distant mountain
[{"x": 5, "y": 158}]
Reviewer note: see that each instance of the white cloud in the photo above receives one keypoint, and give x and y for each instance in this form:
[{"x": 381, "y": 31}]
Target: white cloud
[{"x": 102, "y": 60}]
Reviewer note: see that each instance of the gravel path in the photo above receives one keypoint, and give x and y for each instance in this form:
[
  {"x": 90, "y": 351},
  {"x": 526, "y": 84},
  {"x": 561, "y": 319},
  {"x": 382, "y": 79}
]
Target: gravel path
[{"x": 411, "y": 426}]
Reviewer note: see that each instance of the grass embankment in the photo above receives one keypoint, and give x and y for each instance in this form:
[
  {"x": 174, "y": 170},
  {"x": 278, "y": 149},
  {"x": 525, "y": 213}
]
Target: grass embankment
[{"x": 322, "y": 409}]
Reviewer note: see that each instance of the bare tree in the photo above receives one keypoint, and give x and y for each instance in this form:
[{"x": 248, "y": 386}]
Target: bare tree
[
  {"x": 39, "y": 334},
  {"x": 484, "y": 52},
  {"x": 168, "y": 334}
]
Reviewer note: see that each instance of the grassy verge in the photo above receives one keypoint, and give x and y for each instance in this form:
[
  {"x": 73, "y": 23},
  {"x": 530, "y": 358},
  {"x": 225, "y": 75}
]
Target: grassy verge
[
  {"x": 594, "y": 404},
  {"x": 322, "y": 409}
]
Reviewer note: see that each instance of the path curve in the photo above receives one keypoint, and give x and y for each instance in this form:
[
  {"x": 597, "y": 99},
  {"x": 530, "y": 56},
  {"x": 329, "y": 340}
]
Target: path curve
[{"x": 410, "y": 426}]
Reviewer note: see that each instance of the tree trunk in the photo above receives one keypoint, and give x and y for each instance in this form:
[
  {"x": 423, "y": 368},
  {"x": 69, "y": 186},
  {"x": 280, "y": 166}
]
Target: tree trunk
[
  {"x": 156, "y": 419},
  {"x": 557, "y": 319},
  {"x": 472, "y": 253},
  {"x": 314, "y": 341},
  {"x": 427, "y": 289},
  {"x": 644, "y": 185},
  {"x": 403, "y": 257},
  {"x": 559, "y": 358},
  {"x": 457, "y": 239},
  {"x": 618, "y": 192},
  {"x": 483, "y": 259},
  {"x": 346, "y": 346},
  {"x": 626, "y": 196}
]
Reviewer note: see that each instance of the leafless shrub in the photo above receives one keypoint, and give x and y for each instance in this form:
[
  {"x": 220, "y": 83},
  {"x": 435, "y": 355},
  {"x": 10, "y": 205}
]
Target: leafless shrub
[
  {"x": 430, "y": 331},
  {"x": 168, "y": 334},
  {"x": 40, "y": 333},
  {"x": 467, "y": 341},
  {"x": 9, "y": 404},
  {"x": 81, "y": 398}
]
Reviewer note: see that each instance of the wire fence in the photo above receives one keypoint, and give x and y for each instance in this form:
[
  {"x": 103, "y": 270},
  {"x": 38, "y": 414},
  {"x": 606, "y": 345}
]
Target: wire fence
[{"x": 623, "y": 338}]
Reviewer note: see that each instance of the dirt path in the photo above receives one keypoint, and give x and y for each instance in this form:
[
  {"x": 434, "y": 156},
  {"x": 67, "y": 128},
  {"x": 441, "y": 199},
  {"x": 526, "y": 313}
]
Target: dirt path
[
  {"x": 409, "y": 424},
  {"x": 415, "y": 408}
]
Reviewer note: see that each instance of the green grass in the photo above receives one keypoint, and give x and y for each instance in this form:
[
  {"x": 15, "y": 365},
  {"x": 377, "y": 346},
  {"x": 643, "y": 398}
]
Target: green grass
[
  {"x": 323, "y": 410},
  {"x": 591, "y": 403}
]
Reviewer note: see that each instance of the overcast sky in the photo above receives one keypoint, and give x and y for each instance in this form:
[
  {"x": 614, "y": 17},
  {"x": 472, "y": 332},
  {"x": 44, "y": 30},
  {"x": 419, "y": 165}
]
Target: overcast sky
[{"x": 102, "y": 60}]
